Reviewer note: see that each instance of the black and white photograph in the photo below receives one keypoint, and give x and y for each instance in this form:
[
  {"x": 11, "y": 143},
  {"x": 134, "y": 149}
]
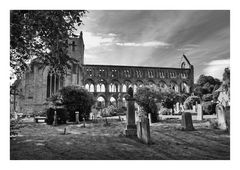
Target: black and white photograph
[{"x": 119, "y": 84}]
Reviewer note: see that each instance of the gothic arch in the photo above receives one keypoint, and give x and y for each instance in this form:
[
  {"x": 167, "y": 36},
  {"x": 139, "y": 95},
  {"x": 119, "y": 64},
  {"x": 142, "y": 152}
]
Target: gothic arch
[
  {"x": 184, "y": 87},
  {"x": 54, "y": 82},
  {"x": 174, "y": 86}
]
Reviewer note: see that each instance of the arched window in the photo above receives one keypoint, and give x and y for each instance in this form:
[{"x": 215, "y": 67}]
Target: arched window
[
  {"x": 185, "y": 88},
  {"x": 54, "y": 83},
  {"x": 174, "y": 87},
  {"x": 87, "y": 87},
  {"x": 91, "y": 88},
  {"x": 134, "y": 88},
  {"x": 101, "y": 102},
  {"x": 183, "y": 65},
  {"x": 101, "y": 87},
  {"x": 124, "y": 88},
  {"x": 113, "y": 101}
]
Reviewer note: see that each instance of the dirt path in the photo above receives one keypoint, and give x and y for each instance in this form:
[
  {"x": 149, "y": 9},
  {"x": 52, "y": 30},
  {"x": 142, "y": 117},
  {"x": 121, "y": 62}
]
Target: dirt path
[{"x": 44, "y": 142}]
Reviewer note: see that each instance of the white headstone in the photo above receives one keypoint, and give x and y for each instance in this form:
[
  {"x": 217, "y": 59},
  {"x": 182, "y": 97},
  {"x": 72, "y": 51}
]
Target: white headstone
[
  {"x": 199, "y": 112},
  {"x": 177, "y": 107},
  {"x": 194, "y": 108}
]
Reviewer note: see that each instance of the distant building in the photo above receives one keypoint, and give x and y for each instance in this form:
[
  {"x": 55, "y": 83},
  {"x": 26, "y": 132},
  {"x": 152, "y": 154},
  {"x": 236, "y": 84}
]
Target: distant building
[{"x": 108, "y": 82}]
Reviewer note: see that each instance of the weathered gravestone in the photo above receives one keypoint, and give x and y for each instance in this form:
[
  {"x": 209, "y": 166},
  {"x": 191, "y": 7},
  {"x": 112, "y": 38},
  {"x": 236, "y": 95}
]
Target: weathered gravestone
[
  {"x": 221, "y": 117},
  {"x": 55, "y": 118},
  {"x": 77, "y": 117},
  {"x": 177, "y": 107},
  {"x": 143, "y": 127},
  {"x": 150, "y": 119},
  {"x": 187, "y": 124},
  {"x": 131, "y": 128},
  {"x": 199, "y": 112}
]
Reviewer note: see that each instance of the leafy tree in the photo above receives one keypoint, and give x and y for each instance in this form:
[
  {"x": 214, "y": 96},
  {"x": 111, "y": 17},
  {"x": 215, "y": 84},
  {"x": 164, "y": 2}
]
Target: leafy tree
[
  {"x": 146, "y": 97},
  {"x": 226, "y": 79},
  {"x": 206, "y": 85},
  {"x": 77, "y": 98},
  {"x": 42, "y": 34}
]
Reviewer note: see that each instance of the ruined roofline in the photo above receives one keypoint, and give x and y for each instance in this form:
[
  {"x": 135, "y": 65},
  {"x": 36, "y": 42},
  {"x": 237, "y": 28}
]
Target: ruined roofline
[{"x": 142, "y": 67}]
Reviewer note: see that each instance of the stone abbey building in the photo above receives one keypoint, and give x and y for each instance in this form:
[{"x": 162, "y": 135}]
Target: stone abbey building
[{"x": 108, "y": 83}]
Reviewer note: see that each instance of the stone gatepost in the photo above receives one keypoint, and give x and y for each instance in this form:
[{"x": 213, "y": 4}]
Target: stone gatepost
[
  {"x": 77, "y": 117},
  {"x": 221, "y": 117},
  {"x": 199, "y": 112},
  {"x": 131, "y": 128},
  {"x": 55, "y": 118},
  {"x": 187, "y": 124}
]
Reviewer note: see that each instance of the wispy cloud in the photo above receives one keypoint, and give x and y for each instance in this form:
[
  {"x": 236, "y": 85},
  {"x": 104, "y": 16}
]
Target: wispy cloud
[
  {"x": 144, "y": 44},
  {"x": 216, "y": 68}
]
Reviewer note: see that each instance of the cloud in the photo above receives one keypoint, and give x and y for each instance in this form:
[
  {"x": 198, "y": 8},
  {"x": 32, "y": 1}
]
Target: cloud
[
  {"x": 145, "y": 44},
  {"x": 216, "y": 68},
  {"x": 95, "y": 40}
]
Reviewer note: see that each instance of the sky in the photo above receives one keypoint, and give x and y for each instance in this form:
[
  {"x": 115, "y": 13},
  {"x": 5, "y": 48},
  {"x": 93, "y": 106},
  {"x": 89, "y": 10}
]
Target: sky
[{"x": 159, "y": 39}]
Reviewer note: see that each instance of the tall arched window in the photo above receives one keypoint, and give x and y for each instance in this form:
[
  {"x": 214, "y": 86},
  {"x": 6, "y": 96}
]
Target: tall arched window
[
  {"x": 54, "y": 83},
  {"x": 100, "y": 87},
  {"x": 124, "y": 88},
  {"x": 91, "y": 88}
]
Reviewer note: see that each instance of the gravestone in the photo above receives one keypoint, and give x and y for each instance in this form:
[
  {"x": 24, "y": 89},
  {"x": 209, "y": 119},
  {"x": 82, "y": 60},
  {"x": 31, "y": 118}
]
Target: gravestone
[
  {"x": 177, "y": 107},
  {"x": 221, "y": 117},
  {"x": 187, "y": 124},
  {"x": 199, "y": 112},
  {"x": 150, "y": 119},
  {"x": 143, "y": 130},
  {"x": 55, "y": 118},
  {"x": 194, "y": 108},
  {"x": 77, "y": 117},
  {"x": 131, "y": 128}
]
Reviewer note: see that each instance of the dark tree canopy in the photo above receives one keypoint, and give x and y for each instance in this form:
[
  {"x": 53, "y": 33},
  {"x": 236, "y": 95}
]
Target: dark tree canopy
[
  {"x": 226, "y": 78},
  {"x": 206, "y": 85},
  {"x": 42, "y": 34}
]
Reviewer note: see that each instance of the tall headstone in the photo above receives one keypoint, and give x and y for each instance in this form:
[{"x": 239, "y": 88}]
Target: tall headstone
[
  {"x": 77, "y": 117},
  {"x": 145, "y": 130},
  {"x": 177, "y": 107},
  {"x": 187, "y": 124},
  {"x": 150, "y": 119},
  {"x": 131, "y": 128},
  {"x": 55, "y": 118},
  {"x": 221, "y": 117},
  {"x": 199, "y": 112}
]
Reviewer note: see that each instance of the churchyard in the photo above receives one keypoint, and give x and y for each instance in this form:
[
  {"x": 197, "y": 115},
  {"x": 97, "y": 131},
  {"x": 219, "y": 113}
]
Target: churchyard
[
  {"x": 39, "y": 141},
  {"x": 143, "y": 133}
]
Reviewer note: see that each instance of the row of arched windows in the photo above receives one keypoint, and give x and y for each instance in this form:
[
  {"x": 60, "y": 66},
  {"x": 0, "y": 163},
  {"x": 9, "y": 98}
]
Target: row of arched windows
[{"x": 117, "y": 87}]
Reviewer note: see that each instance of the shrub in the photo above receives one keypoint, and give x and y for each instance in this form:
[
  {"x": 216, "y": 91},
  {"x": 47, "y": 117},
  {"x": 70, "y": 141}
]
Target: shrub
[
  {"x": 146, "y": 97},
  {"x": 76, "y": 98},
  {"x": 190, "y": 101},
  {"x": 208, "y": 107},
  {"x": 62, "y": 116},
  {"x": 207, "y": 97}
]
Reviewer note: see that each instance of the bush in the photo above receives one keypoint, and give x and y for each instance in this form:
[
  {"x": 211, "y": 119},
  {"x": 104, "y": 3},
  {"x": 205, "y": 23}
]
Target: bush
[
  {"x": 190, "y": 101},
  {"x": 62, "y": 116},
  {"x": 76, "y": 98},
  {"x": 165, "y": 111},
  {"x": 209, "y": 107},
  {"x": 207, "y": 97}
]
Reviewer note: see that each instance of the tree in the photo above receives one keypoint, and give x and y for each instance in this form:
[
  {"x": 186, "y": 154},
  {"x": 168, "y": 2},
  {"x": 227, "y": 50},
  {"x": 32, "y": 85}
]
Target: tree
[
  {"x": 42, "y": 34},
  {"x": 146, "y": 97},
  {"x": 206, "y": 85},
  {"x": 77, "y": 98},
  {"x": 226, "y": 79}
]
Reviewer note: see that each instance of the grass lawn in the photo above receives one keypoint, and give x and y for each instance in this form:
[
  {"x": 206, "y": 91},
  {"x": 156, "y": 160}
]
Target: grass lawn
[{"x": 38, "y": 141}]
